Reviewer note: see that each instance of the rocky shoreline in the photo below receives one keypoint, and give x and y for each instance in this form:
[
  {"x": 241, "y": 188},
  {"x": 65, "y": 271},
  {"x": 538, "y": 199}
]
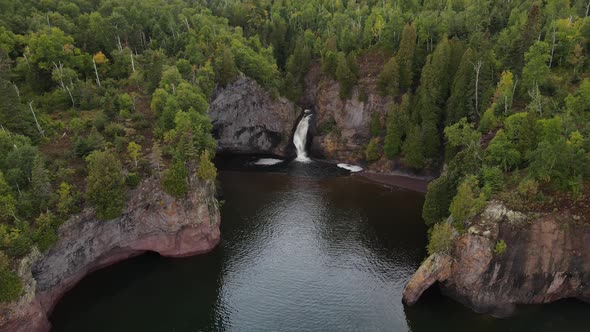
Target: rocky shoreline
[
  {"x": 153, "y": 221},
  {"x": 545, "y": 260}
]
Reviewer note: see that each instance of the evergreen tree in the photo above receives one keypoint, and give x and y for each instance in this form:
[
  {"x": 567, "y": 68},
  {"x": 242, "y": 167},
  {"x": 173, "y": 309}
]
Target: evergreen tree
[
  {"x": 388, "y": 83},
  {"x": 536, "y": 70},
  {"x": 175, "y": 179},
  {"x": 41, "y": 185},
  {"x": 438, "y": 199},
  {"x": 397, "y": 124},
  {"x": 345, "y": 76},
  {"x": 405, "y": 56},
  {"x": 227, "y": 70},
  {"x": 105, "y": 185},
  {"x": 413, "y": 149}
]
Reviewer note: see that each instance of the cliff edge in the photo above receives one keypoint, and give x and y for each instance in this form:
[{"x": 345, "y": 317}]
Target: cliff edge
[
  {"x": 152, "y": 221},
  {"x": 545, "y": 260}
]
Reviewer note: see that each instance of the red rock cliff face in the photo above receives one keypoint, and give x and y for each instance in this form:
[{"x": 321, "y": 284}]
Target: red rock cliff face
[
  {"x": 344, "y": 125},
  {"x": 546, "y": 259},
  {"x": 153, "y": 221}
]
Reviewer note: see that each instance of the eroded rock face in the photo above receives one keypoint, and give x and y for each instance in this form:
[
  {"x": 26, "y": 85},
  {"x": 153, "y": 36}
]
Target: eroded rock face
[
  {"x": 344, "y": 125},
  {"x": 153, "y": 221},
  {"x": 546, "y": 260},
  {"x": 248, "y": 119}
]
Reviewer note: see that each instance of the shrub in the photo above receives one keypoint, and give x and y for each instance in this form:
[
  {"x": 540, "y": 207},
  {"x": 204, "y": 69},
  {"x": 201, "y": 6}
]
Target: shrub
[
  {"x": 493, "y": 177},
  {"x": 174, "y": 179},
  {"x": 468, "y": 201},
  {"x": 207, "y": 170},
  {"x": 500, "y": 247},
  {"x": 438, "y": 198},
  {"x": 105, "y": 184},
  {"x": 113, "y": 130},
  {"x": 132, "y": 180},
  {"x": 373, "y": 150},
  {"x": 528, "y": 189},
  {"x": 44, "y": 235},
  {"x": 440, "y": 239},
  {"x": 376, "y": 127},
  {"x": 10, "y": 284}
]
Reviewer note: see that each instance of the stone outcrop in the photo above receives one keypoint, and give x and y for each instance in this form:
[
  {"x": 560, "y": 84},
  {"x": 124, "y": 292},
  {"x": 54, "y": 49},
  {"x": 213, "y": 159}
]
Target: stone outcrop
[
  {"x": 546, "y": 259},
  {"x": 248, "y": 120},
  {"x": 153, "y": 221},
  {"x": 343, "y": 126}
]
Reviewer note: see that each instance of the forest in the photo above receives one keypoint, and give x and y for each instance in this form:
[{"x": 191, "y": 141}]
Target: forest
[{"x": 100, "y": 94}]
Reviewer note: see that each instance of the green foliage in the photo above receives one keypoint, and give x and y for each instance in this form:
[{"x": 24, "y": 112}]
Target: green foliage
[
  {"x": 388, "y": 83},
  {"x": 397, "y": 124},
  {"x": 206, "y": 170},
  {"x": 440, "y": 239},
  {"x": 65, "y": 201},
  {"x": 226, "y": 68},
  {"x": 134, "y": 151},
  {"x": 493, "y": 178},
  {"x": 438, "y": 199},
  {"x": 502, "y": 152},
  {"x": 175, "y": 179},
  {"x": 536, "y": 70},
  {"x": 468, "y": 201},
  {"x": 405, "y": 56},
  {"x": 345, "y": 76},
  {"x": 10, "y": 284},
  {"x": 373, "y": 151},
  {"x": 105, "y": 184},
  {"x": 413, "y": 149},
  {"x": 45, "y": 235},
  {"x": 376, "y": 127},
  {"x": 500, "y": 247}
]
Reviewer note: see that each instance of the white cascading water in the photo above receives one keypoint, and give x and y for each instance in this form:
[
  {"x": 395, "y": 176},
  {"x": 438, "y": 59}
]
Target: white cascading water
[{"x": 300, "y": 137}]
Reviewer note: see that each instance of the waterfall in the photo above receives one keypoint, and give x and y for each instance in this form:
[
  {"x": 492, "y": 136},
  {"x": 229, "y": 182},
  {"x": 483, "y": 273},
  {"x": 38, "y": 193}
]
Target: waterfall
[{"x": 300, "y": 137}]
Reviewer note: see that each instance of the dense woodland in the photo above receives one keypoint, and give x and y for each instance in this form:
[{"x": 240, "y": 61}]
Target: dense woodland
[{"x": 97, "y": 95}]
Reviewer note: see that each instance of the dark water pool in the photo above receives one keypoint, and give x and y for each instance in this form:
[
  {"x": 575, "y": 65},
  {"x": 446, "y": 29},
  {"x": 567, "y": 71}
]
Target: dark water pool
[{"x": 302, "y": 250}]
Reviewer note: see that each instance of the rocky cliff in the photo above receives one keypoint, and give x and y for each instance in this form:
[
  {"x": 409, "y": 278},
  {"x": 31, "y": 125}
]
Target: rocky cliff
[
  {"x": 153, "y": 221},
  {"x": 248, "y": 119},
  {"x": 343, "y": 126},
  {"x": 545, "y": 260}
]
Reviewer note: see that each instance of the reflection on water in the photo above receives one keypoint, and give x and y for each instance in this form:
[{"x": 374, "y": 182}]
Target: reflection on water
[{"x": 300, "y": 251}]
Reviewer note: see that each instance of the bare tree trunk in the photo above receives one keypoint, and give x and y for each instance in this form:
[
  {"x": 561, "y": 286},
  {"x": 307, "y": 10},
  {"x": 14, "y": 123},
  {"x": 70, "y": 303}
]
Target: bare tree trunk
[
  {"x": 47, "y": 17},
  {"x": 552, "y": 46},
  {"x": 119, "y": 46},
  {"x": 17, "y": 90},
  {"x": 132, "y": 62},
  {"x": 71, "y": 97},
  {"x": 477, "y": 67},
  {"x": 188, "y": 27},
  {"x": 37, "y": 122},
  {"x": 96, "y": 72},
  {"x": 27, "y": 61},
  {"x": 587, "y": 8},
  {"x": 513, "y": 91}
]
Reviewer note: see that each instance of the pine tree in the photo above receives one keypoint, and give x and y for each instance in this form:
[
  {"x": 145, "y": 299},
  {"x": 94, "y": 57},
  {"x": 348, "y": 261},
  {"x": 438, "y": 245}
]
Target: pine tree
[
  {"x": 536, "y": 70},
  {"x": 227, "y": 70},
  {"x": 105, "y": 184},
  {"x": 175, "y": 179},
  {"x": 41, "y": 185},
  {"x": 461, "y": 101},
  {"x": 397, "y": 124},
  {"x": 405, "y": 56},
  {"x": 345, "y": 76},
  {"x": 206, "y": 170},
  {"x": 413, "y": 149},
  {"x": 388, "y": 83}
]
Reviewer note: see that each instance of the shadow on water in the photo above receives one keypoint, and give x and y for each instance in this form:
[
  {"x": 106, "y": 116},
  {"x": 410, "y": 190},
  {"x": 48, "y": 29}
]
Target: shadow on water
[{"x": 304, "y": 248}]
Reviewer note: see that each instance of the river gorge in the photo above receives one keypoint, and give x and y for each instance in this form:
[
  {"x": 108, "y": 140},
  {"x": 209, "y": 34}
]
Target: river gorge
[{"x": 305, "y": 247}]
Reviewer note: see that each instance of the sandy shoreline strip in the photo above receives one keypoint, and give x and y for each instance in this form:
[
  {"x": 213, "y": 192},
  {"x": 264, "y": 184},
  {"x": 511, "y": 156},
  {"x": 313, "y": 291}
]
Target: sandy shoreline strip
[{"x": 398, "y": 180}]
